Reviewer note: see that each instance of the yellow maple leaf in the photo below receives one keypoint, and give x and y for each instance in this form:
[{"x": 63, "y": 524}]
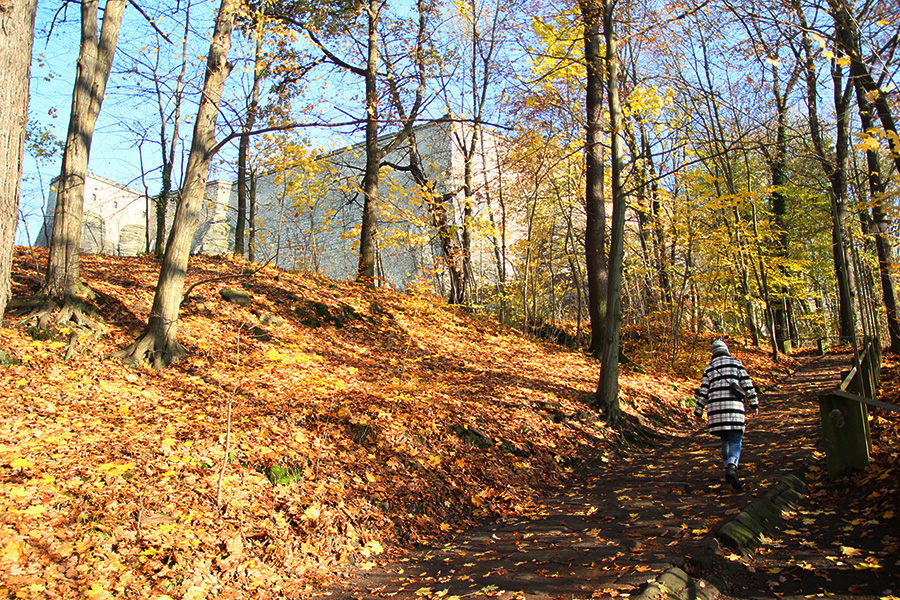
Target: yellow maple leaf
[{"x": 20, "y": 463}]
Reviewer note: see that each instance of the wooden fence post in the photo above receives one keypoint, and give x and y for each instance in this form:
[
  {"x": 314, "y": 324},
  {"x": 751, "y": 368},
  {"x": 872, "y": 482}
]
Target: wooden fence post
[{"x": 845, "y": 427}]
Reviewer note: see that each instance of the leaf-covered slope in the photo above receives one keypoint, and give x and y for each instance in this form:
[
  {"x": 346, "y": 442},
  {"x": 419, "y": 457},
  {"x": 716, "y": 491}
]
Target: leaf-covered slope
[{"x": 360, "y": 422}]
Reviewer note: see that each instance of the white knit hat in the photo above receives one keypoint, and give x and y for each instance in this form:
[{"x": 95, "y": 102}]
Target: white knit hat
[{"x": 719, "y": 347}]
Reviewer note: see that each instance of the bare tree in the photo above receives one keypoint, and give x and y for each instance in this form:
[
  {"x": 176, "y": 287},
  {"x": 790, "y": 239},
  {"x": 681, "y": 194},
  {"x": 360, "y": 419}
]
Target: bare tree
[
  {"x": 168, "y": 144},
  {"x": 871, "y": 101},
  {"x": 260, "y": 68},
  {"x": 377, "y": 147},
  {"x": 159, "y": 341}
]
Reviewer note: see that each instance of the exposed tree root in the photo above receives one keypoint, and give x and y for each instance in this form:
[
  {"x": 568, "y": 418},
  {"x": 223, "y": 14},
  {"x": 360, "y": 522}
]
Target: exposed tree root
[
  {"x": 70, "y": 310},
  {"x": 152, "y": 347}
]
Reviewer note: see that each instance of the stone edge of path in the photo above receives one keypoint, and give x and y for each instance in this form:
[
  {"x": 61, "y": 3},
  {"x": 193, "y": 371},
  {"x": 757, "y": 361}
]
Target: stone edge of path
[
  {"x": 676, "y": 583},
  {"x": 765, "y": 515},
  {"x": 744, "y": 533}
]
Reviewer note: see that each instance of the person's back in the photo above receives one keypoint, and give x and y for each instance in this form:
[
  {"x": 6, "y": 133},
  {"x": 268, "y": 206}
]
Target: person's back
[{"x": 724, "y": 392}]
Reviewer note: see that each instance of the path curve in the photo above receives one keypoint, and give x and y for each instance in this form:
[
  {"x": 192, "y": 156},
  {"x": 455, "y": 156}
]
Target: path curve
[{"x": 622, "y": 526}]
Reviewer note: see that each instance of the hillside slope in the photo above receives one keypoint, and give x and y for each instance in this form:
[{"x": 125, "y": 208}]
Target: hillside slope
[{"x": 360, "y": 422}]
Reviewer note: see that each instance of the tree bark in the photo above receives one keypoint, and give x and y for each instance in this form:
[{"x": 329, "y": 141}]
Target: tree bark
[
  {"x": 16, "y": 38},
  {"x": 61, "y": 284},
  {"x": 607, "y": 397},
  {"x": 840, "y": 215},
  {"x": 595, "y": 207},
  {"x": 847, "y": 36},
  {"x": 167, "y": 147},
  {"x": 835, "y": 171},
  {"x": 437, "y": 208},
  {"x": 159, "y": 342},
  {"x": 244, "y": 148},
  {"x": 366, "y": 271},
  {"x": 883, "y": 246},
  {"x": 778, "y": 203}
]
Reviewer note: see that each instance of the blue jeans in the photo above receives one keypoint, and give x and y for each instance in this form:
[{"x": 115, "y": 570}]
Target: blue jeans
[{"x": 731, "y": 447}]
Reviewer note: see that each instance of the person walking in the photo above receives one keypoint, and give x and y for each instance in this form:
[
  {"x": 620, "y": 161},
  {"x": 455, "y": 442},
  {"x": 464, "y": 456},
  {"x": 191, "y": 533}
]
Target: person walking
[{"x": 726, "y": 393}]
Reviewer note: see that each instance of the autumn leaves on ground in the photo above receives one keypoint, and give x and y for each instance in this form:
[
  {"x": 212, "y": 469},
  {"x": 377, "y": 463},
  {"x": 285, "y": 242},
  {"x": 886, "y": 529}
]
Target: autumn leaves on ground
[{"x": 355, "y": 423}]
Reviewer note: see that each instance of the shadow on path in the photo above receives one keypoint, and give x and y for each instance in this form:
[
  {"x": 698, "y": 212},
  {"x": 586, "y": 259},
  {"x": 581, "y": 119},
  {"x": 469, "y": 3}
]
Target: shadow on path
[{"x": 618, "y": 527}]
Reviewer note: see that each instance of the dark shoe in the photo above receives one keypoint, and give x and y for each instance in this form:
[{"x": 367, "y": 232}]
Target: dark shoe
[{"x": 732, "y": 478}]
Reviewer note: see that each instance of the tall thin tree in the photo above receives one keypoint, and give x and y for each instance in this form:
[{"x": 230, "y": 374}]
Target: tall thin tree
[
  {"x": 607, "y": 396},
  {"x": 159, "y": 341},
  {"x": 16, "y": 38},
  {"x": 62, "y": 287}
]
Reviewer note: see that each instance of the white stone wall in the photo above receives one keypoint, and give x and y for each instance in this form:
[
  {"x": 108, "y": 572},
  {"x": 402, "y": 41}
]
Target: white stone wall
[
  {"x": 311, "y": 221},
  {"x": 115, "y": 218}
]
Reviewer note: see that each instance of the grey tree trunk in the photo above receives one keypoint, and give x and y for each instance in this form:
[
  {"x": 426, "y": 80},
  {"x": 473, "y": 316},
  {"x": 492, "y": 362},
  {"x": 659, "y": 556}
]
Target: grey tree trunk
[
  {"x": 607, "y": 397},
  {"x": 243, "y": 151},
  {"x": 61, "y": 283},
  {"x": 374, "y": 153},
  {"x": 16, "y": 37},
  {"x": 366, "y": 270},
  {"x": 883, "y": 246},
  {"x": 840, "y": 212},
  {"x": 159, "y": 342},
  {"x": 167, "y": 146}
]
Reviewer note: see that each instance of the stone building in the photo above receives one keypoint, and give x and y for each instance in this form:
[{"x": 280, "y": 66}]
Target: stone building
[
  {"x": 120, "y": 220},
  {"x": 309, "y": 218}
]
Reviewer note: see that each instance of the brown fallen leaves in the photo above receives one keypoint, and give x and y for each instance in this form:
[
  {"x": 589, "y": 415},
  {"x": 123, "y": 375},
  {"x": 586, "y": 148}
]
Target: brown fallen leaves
[{"x": 359, "y": 405}]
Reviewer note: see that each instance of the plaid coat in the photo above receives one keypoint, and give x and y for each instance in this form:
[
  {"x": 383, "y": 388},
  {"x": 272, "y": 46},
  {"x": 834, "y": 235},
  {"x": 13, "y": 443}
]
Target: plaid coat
[{"x": 725, "y": 410}]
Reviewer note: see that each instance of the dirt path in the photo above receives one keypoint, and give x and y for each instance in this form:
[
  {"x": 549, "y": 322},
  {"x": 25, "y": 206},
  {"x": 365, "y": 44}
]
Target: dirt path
[{"x": 627, "y": 524}]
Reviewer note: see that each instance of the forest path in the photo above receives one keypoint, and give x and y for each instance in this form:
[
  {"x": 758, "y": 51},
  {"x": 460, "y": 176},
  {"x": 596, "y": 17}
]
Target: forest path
[{"x": 622, "y": 525}]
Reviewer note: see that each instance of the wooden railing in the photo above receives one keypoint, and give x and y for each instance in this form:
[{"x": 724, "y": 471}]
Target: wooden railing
[{"x": 845, "y": 412}]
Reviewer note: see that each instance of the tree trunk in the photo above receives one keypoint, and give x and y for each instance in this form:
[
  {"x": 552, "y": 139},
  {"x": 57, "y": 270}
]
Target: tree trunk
[
  {"x": 835, "y": 171},
  {"x": 251, "y": 218},
  {"x": 778, "y": 203},
  {"x": 468, "y": 201},
  {"x": 16, "y": 38},
  {"x": 595, "y": 208},
  {"x": 840, "y": 215},
  {"x": 659, "y": 234},
  {"x": 607, "y": 397},
  {"x": 366, "y": 271},
  {"x": 61, "y": 284},
  {"x": 167, "y": 147},
  {"x": 848, "y": 39},
  {"x": 159, "y": 342},
  {"x": 243, "y": 150},
  {"x": 641, "y": 206},
  {"x": 883, "y": 245},
  {"x": 437, "y": 209}
]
